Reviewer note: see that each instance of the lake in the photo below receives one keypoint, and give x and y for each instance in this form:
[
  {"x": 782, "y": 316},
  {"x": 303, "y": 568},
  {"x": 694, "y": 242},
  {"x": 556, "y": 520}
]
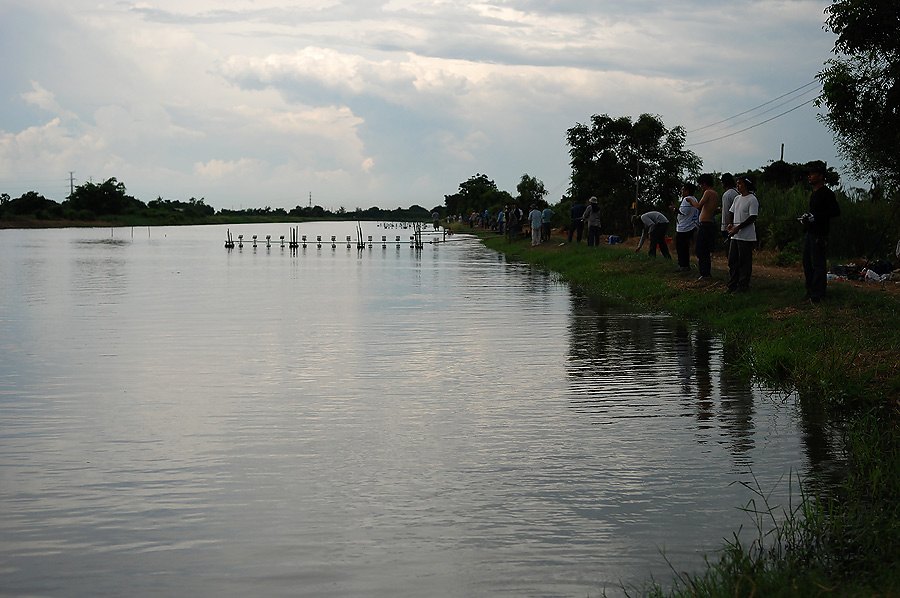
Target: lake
[{"x": 178, "y": 418}]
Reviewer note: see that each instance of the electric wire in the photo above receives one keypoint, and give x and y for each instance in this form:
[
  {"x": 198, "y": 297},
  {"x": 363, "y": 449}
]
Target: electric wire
[
  {"x": 751, "y": 126},
  {"x": 773, "y": 108},
  {"x": 755, "y": 108}
]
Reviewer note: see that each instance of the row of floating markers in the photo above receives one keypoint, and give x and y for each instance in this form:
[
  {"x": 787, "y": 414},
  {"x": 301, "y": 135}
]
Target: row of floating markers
[{"x": 293, "y": 243}]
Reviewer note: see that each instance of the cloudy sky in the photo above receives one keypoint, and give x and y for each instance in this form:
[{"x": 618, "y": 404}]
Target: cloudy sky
[{"x": 389, "y": 103}]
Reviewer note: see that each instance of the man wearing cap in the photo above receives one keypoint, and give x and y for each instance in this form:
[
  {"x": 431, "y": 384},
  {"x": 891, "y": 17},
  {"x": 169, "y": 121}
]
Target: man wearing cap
[
  {"x": 727, "y": 199},
  {"x": 823, "y": 207},
  {"x": 592, "y": 217},
  {"x": 745, "y": 209}
]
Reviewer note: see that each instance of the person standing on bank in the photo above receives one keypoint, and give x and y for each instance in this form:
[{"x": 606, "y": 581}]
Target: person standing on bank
[
  {"x": 535, "y": 217},
  {"x": 823, "y": 207},
  {"x": 577, "y": 224},
  {"x": 513, "y": 222},
  {"x": 727, "y": 199},
  {"x": 654, "y": 225},
  {"x": 592, "y": 217},
  {"x": 546, "y": 217},
  {"x": 685, "y": 225},
  {"x": 706, "y": 230},
  {"x": 745, "y": 209}
]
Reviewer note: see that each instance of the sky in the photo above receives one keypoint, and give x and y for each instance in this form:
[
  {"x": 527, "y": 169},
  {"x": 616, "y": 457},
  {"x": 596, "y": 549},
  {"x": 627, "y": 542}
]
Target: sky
[{"x": 363, "y": 103}]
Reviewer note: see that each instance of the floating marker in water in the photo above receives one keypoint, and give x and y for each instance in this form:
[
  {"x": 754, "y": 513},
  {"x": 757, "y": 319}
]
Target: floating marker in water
[{"x": 416, "y": 241}]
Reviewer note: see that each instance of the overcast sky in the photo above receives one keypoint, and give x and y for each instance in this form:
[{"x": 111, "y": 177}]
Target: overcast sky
[{"x": 361, "y": 103}]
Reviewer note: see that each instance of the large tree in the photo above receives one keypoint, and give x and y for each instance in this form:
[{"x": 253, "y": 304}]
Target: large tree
[
  {"x": 475, "y": 195},
  {"x": 106, "y": 199},
  {"x": 618, "y": 160},
  {"x": 859, "y": 87},
  {"x": 531, "y": 191}
]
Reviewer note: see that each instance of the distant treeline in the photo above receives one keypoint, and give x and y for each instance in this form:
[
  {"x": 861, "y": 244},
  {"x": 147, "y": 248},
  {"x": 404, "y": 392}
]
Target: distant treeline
[{"x": 109, "y": 203}]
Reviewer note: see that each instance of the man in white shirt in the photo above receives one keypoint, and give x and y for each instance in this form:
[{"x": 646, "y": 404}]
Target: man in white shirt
[
  {"x": 653, "y": 225},
  {"x": 685, "y": 226},
  {"x": 727, "y": 199},
  {"x": 534, "y": 217},
  {"x": 742, "y": 232}
]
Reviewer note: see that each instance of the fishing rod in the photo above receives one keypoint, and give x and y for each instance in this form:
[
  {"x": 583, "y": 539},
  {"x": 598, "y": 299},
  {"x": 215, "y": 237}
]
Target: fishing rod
[{"x": 795, "y": 218}]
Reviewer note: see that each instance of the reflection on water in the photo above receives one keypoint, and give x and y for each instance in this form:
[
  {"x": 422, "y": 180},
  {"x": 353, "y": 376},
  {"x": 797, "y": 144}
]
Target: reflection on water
[
  {"x": 178, "y": 419},
  {"x": 636, "y": 366}
]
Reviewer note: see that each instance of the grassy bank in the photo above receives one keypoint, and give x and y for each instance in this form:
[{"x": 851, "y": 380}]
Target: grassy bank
[{"x": 842, "y": 357}]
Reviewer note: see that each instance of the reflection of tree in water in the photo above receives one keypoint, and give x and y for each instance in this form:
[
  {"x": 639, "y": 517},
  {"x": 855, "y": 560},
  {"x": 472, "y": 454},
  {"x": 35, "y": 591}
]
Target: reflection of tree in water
[
  {"x": 737, "y": 403},
  {"x": 638, "y": 365},
  {"x": 703, "y": 350},
  {"x": 822, "y": 442}
]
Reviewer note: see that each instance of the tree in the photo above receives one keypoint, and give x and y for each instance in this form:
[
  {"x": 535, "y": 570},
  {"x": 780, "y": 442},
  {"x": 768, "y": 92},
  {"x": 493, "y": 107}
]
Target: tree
[
  {"x": 859, "y": 87},
  {"x": 531, "y": 191},
  {"x": 617, "y": 160},
  {"x": 785, "y": 175},
  {"x": 107, "y": 198},
  {"x": 475, "y": 195},
  {"x": 29, "y": 204}
]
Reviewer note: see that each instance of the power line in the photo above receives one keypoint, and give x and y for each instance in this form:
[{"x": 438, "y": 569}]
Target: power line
[
  {"x": 775, "y": 107},
  {"x": 752, "y": 126},
  {"x": 757, "y": 107}
]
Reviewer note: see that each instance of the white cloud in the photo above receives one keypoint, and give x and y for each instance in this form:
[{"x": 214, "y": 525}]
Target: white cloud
[
  {"x": 220, "y": 169},
  {"x": 400, "y": 100},
  {"x": 46, "y": 100}
]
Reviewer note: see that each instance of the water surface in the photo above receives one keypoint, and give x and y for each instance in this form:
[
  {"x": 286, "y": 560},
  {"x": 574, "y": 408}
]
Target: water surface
[{"x": 181, "y": 419}]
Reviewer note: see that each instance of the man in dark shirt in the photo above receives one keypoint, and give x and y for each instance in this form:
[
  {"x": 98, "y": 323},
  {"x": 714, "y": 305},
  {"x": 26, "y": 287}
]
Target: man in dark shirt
[
  {"x": 823, "y": 207},
  {"x": 577, "y": 225}
]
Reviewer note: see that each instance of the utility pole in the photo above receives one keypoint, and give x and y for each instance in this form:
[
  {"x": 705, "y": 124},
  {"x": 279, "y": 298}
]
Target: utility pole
[
  {"x": 782, "y": 152},
  {"x": 637, "y": 185},
  {"x": 71, "y": 182},
  {"x": 310, "y": 199}
]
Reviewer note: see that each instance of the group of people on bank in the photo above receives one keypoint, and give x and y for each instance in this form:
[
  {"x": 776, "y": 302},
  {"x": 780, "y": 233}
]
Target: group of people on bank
[{"x": 696, "y": 223}]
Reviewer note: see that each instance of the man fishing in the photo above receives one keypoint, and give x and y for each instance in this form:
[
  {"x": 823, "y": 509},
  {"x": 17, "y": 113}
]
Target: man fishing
[{"x": 823, "y": 207}]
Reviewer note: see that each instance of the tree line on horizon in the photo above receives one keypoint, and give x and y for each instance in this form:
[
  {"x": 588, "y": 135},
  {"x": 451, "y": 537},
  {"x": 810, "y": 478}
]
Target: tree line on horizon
[{"x": 109, "y": 201}]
